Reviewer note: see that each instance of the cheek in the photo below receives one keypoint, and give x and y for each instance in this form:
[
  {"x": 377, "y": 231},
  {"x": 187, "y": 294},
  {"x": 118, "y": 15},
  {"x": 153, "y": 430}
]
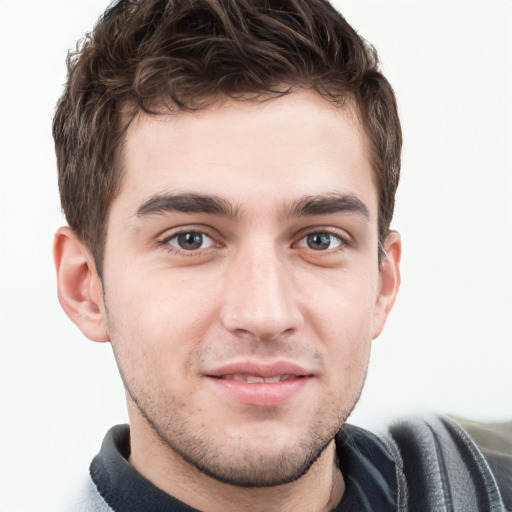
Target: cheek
[
  {"x": 161, "y": 316},
  {"x": 343, "y": 304},
  {"x": 342, "y": 317}
]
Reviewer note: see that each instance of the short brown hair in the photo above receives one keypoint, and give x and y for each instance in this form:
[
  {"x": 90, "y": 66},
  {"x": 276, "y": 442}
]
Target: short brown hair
[{"x": 156, "y": 55}]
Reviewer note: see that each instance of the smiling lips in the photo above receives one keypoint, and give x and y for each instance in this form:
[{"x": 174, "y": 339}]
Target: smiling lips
[
  {"x": 260, "y": 385},
  {"x": 254, "y": 379}
]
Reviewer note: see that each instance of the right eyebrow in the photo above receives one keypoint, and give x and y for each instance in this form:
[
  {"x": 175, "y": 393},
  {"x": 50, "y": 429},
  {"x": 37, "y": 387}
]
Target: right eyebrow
[{"x": 160, "y": 204}]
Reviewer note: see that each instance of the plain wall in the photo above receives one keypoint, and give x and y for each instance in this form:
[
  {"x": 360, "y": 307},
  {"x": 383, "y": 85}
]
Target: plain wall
[{"x": 447, "y": 345}]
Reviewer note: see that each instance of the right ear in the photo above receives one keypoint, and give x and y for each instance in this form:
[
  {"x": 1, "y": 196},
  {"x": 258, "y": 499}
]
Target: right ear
[{"x": 79, "y": 287}]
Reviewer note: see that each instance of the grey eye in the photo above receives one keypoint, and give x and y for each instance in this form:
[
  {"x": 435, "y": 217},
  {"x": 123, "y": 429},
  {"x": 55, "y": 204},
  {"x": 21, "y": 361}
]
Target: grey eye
[
  {"x": 191, "y": 241},
  {"x": 320, "y": 241}
]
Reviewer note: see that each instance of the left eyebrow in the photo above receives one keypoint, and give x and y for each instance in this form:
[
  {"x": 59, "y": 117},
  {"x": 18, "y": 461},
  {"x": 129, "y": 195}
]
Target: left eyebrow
[{"x": 327, "y": 204}]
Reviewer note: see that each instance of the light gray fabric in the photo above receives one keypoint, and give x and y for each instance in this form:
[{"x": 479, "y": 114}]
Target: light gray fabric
[{"x": 89, "y": 500}]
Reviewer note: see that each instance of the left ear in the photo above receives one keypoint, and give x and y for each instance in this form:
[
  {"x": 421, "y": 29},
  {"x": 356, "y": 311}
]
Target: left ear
[{"x": 389, "y": 281}]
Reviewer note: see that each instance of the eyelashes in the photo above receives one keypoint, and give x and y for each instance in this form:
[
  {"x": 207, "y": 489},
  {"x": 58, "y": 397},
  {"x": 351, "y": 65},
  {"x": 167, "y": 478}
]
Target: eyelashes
[
  {"x": 195, "y": 241},
  {"x": 320, "y": 241},
  {"x": 191, "y": 241}
]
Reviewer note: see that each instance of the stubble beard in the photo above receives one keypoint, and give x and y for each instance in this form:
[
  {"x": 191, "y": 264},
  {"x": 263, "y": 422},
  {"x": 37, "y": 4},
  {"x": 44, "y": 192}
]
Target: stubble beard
[
  {"x": 237, "y": 464},
  {"x": 232, "y": 461}
]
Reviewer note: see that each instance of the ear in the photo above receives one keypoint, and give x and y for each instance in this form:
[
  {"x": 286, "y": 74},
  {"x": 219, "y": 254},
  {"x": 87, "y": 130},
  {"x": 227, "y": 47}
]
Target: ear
[
  {"x": 79, "y": 287},
  {"x": 389, "y": 281}
]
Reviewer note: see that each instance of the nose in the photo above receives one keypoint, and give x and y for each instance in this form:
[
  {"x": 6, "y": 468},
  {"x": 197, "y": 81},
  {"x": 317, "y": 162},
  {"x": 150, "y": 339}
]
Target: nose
[{"x": 260, "y": 297}]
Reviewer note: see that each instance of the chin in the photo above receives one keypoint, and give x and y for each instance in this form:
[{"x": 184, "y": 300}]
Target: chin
[
  {"x": 253, "y": 467},
  {"x": 257, "y": 455}
]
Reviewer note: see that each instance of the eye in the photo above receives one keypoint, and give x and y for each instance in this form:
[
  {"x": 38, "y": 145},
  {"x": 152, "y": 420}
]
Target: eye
[
  {"x": 190, "y": 241},
  {"x": 320, "y": 241}
]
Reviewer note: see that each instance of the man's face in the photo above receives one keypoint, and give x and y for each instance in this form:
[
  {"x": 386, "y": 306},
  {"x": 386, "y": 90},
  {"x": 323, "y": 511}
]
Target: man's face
[{"x": 241, "y": 282}]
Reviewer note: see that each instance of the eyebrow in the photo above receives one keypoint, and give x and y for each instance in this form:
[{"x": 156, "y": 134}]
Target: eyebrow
[
  {"x": 161, "y": 204},
  {"x": 306, "y": 206},
  {"x": 327, "y": 204}
]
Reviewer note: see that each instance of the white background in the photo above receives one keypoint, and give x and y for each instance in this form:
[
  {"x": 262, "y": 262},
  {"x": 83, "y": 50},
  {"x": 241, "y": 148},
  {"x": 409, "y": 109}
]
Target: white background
[{"x": 447, "y": 346}]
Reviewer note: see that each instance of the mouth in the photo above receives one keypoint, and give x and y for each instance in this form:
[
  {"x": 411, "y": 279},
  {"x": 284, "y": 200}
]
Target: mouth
[
  {"x": 260, "y": 385},
  {"x": 256, "y": 379}
]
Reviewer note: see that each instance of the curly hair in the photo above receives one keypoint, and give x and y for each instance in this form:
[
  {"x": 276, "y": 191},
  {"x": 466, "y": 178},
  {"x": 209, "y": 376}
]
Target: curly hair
[{"x": 158, "y": 56}]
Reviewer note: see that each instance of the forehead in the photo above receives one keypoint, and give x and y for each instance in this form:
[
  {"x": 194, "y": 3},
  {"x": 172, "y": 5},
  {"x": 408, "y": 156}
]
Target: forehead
[{"x": 246, "y": 152}]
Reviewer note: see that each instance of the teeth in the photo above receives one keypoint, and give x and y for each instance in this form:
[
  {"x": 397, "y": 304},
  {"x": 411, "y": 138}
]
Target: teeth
[{"x": 253, "y": 379}]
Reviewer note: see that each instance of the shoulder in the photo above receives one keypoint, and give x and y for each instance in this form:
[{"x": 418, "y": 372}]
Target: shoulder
[
  {"x": 85, "y": 498},
  {"x": 494, "y": 440},
  {"x": 443, "y": 463}
]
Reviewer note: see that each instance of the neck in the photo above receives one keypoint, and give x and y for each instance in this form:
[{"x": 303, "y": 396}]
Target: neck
[{"x": 319, "y": 490}]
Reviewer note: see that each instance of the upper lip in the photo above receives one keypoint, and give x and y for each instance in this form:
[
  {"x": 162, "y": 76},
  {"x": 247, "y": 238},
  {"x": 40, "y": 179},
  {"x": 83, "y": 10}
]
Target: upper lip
[{"x": 259, "y": 369}]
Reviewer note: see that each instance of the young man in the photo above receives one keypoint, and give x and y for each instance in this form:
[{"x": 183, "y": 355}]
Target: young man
[{"x": 228, "y": 172}]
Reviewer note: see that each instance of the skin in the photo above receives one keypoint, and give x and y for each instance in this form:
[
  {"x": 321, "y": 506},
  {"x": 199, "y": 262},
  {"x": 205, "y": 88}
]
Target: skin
[{"x": 255, "y": 291}]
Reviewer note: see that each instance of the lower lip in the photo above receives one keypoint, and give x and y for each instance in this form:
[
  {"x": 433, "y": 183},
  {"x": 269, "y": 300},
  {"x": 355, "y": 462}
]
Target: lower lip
[{"x": 264, "y": 394}]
